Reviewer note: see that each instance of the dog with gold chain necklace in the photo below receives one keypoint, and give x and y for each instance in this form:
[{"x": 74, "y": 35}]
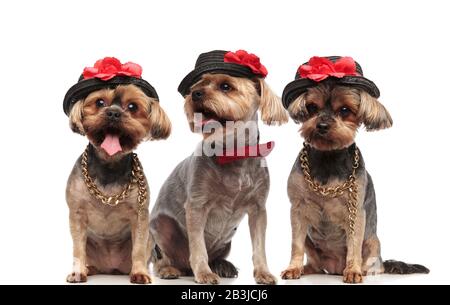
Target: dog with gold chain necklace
[
  {"x": 333, "y": 211},
  {"x": 107, "y": 192}
]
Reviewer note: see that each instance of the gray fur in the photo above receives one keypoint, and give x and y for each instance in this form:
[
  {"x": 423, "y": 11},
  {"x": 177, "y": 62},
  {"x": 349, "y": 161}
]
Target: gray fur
[
  {"x": 226, "y": 193},
  {"x": 233, "y": 189}
]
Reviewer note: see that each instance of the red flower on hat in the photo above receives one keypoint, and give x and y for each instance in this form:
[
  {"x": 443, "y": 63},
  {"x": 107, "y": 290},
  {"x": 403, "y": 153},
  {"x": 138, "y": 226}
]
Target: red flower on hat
[
  {"x": 243, "y": 58},
  {"x": 109, "y": 67},
  {"x": 320, "y": 68}
]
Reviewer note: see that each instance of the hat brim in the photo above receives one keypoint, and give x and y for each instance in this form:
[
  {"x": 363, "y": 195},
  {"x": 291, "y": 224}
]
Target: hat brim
[
  {"x": 214, "y": 68},
  {"x": 84, "y": 87},
  {"x": 299, "y": 86}
]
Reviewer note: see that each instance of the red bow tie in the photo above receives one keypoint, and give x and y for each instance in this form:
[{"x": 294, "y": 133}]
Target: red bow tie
[{"x": 261, "y": 150}]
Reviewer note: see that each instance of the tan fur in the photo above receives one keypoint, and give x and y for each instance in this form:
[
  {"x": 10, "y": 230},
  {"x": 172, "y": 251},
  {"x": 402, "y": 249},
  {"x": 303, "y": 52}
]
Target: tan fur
[
  {"x": 297, "y": 109},
  {"x": 234, "y": 105},
  {"x": 149, "y": 122},
  {"x": 342, "y": 135},
  {"x": 239, "y": 103},
  {"x": 374, "y": 115},
  {"x": 344, "y": 96},
  {"x": 365, "y": 109},
  {"x": 112, "y": 239},
  {"x": 272, "y": 111},
  {"x": 195, "y": 223},
  {"x": 160, "y": 123},
  {"x": 76, "y": 118},
  {"x": 371, "y": 254}
]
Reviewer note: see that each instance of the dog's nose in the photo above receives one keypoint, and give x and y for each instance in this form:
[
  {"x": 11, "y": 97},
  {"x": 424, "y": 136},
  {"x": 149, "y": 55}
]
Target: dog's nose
[
  {"x": 197, "y": 95},
  {"x": 113, "y": 114},
  {"x": 322, "y": 128}
]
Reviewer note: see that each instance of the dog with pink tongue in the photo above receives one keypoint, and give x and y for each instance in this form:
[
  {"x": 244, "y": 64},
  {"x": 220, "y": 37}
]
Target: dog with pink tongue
[
  {"x": 107, "y": 192},
  {"x": 111, "y": 145}
]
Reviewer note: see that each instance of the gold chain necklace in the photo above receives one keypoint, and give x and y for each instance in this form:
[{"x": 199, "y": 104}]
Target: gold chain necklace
[
  {"x": 333, "y": 192},
  {"x": 137, "y": 177}
]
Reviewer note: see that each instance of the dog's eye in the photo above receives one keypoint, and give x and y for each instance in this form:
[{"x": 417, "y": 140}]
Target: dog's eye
[
  {"x": 225, "y": 87},
  {"x": 312, "y": 108},
  {"x": 344, "y": 111},
  {"x": 100, "y": 103},
  {"x": 132, "y": 107}
]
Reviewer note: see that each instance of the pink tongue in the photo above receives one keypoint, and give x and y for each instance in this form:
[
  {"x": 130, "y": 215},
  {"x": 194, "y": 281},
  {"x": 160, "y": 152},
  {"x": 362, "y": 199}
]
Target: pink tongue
[{"x": 111, "y": 145}]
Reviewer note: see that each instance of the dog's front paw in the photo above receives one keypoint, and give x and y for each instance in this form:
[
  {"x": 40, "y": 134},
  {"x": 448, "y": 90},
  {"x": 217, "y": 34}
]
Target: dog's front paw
[
  {"x": 264, "y": 277},
  {"x": 207, "y": 278},
  {"x": 352, "y": 277},
  {"x": 140, "y": 278},
  {"x": 292, "y": 273},
  {"x": 76, "y": 277}
]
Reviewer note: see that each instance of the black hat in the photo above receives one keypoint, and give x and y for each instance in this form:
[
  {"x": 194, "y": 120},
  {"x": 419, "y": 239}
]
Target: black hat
[
  {"x": 341, "y": 70},
  {"x": 239, "y": 63},
  {"x": 106, "y": 73}
]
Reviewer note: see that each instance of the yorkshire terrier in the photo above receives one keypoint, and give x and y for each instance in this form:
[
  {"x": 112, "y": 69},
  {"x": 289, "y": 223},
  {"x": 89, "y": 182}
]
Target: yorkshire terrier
[
  {"x": 333, "y": 212},
  {"x": 205, "y": 198},
  {"x": 107, "y": 192}
]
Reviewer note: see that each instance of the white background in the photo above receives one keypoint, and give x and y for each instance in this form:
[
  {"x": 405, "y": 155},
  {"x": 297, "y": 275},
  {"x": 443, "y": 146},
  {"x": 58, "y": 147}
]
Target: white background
[{"x": 401, "y": 45}]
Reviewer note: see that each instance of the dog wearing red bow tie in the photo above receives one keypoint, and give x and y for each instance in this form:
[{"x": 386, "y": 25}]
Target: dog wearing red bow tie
[{"x": 205, "y": 198}]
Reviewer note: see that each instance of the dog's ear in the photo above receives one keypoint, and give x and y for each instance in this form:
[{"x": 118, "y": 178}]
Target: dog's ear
[
  {"x": 297, "y": 109},
  {"x": 272, "y": 111},
  {"x": 160, "y": 123},
  {"x": 76, "y": 118},
  {"x": 372, "y": 113}
]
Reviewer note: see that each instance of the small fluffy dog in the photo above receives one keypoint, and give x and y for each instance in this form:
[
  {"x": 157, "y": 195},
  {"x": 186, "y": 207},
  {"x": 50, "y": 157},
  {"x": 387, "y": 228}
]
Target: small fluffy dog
[
  {"x": 333, "y": 211},
  {"x": 107, "y": 192},
  {"x": 205, "y": 198}
]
